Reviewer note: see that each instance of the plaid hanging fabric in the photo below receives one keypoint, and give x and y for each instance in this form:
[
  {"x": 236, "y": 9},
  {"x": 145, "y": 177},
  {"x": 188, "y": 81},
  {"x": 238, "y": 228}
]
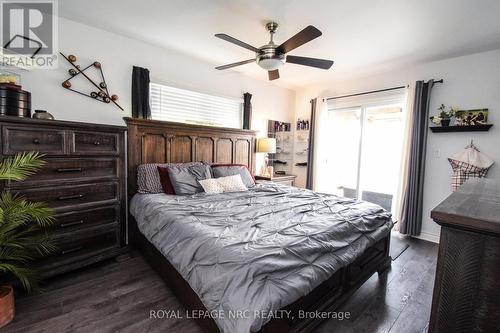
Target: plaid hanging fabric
[
  {"x": 468, "y": 163},
  {"x": 463, "y": 171}
]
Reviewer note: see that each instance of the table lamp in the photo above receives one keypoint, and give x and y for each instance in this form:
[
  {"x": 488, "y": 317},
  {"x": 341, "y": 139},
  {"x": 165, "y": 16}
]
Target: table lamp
[{"x": 267, "y": 146}]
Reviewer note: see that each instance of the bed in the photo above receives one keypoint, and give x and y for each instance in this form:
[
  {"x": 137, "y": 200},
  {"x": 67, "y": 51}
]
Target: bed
[{"x": 274, "y": 251}]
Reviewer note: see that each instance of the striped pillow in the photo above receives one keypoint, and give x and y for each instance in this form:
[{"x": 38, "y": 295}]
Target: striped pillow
[{"x": 148, "y": 178}]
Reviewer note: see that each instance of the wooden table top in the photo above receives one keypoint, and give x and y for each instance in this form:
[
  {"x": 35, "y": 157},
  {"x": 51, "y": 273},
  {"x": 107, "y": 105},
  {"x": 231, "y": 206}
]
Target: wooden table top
[{"x": 474, "y": 206}]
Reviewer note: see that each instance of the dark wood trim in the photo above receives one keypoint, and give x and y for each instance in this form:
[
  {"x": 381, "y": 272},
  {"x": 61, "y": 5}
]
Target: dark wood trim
[
  {"x": 61, "y": 123},
  {"x": 154, "y": 141}
]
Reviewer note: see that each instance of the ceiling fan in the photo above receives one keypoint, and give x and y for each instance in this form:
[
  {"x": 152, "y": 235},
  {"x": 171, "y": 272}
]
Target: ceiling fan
[{"x": 271, "y": 57}]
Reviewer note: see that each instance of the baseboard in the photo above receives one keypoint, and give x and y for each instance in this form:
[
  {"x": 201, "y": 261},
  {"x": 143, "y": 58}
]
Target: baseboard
[{"x": 428, "y": 237}]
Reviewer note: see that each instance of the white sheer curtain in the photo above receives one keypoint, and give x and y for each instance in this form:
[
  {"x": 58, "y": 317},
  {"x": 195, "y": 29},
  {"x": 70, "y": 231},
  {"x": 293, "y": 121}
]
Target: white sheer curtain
[
  {"x": 321, "y": 145},
  {"x": 405, "y": 154}
]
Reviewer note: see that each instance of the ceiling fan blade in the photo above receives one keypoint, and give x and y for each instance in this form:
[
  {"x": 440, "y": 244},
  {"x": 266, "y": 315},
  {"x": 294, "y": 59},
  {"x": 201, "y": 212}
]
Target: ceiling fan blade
[
  {"x": 234, "y": 64},
  {"x": 273, "y": 75},
  {"x": 306, "y": 35},
  {"x": 238, "y": 42},
  {"x": 312, "y": 62}
]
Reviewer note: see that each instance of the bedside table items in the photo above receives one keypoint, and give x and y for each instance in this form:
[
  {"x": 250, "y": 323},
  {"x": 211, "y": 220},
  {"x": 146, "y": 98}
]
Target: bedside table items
[
  {"x": 14, "y": 101},
  {"x": 266, "y": 146},
  {"x": 283, "y": 179},
  {"x": 42, "y": 114},
  {"x": 101, "y": 92}
]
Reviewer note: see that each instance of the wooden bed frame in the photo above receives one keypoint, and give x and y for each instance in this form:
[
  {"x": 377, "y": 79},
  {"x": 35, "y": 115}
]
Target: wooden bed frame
[{"x": 152, "y": 141}]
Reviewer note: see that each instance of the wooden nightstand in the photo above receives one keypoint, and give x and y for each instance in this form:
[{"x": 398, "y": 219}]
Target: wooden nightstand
[{"x": 280, "y": 179}]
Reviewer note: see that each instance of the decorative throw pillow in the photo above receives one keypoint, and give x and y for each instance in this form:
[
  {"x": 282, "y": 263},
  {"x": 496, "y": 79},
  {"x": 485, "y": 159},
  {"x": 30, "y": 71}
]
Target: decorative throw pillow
[
  {"x": 224, "y": 170},
  {"x": 166, "y": 184},
  {"x": 185, "y": 179},
  {"x": 232, "y": 183},
  {"x": 148, "y": 177},
  {"x": 211, "y": 186}
]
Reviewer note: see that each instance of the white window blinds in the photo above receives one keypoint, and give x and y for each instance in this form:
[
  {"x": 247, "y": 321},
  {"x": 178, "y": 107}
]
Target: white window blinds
[{"x": 185, "y": 106}]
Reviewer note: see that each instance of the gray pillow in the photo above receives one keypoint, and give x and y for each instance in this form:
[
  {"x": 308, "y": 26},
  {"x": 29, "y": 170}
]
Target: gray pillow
[
  {"x": 148, "y": 179},
  {"x": 184, "y": 178},
  {"x": 225, "y": 170}
]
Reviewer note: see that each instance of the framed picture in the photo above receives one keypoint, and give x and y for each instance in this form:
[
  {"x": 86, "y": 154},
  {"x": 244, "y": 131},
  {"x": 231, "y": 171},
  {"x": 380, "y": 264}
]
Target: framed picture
[{"x": 471, "y": 117}]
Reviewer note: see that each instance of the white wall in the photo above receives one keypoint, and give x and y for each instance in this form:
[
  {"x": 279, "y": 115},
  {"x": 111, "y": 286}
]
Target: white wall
[
  {"x": 118, "y": 54},
  {"x": 471, "y": 81}
]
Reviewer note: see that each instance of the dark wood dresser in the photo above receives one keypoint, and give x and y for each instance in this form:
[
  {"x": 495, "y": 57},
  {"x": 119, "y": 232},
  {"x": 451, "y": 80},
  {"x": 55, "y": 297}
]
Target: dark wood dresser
[
  {"x": 83, "y": 180},
  {"x": 467, "y": 288}
]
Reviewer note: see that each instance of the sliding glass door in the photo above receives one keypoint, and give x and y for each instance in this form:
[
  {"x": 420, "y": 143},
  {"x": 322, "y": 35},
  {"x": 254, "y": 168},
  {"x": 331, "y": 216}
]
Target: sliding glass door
[
  {"x": 364, "y": 152},
  {"x": 343, "y": 142}
]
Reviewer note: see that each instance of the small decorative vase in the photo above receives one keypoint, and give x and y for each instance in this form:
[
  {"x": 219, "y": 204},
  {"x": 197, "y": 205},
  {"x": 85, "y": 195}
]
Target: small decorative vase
[
  {"x": 445, "y": 122},
  {"x": 42, "y": 114},
  {"x": 7, "y": 309}
]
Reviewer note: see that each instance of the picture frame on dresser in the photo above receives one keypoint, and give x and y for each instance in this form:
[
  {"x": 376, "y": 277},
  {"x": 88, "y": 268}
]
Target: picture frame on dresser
[{"x": 83, "y": 180}]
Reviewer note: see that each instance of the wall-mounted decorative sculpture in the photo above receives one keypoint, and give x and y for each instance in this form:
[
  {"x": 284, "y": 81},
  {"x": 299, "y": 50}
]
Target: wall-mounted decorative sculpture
[{"x": 101, "y": 93}]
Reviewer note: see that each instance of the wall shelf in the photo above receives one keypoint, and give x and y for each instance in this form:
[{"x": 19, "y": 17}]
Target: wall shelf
[{"x": 469, "y": 128}]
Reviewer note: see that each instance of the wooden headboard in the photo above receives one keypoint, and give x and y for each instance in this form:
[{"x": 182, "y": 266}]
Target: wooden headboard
[{"x": 153, "y": 141}]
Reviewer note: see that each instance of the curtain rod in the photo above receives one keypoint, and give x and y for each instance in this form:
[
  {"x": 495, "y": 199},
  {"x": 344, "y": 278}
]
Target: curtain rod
[{"x": 375, "y": 91}]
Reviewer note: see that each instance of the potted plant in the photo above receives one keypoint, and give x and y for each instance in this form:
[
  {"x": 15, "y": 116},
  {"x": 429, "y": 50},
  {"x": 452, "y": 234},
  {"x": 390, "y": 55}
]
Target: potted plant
[
  {"x": 443, "y": 117},
  {"x": 22, "y": 238}
]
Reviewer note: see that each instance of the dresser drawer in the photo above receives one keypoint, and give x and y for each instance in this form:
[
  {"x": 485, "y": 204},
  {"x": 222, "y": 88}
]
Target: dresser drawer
[
  {"x": 65, "y": 197},
  {"x": 45, "y": 141},
  {"x": 85, "y": 143},
  {"x": 77, "y": 220},
  {"x": 57, "y": 170},
  {"x": 77, "y": 248}
]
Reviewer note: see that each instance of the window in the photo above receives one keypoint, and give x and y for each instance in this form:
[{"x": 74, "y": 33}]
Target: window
[
  {"x": 368, "y": 130},
  {"x": 185, "y": 106}
]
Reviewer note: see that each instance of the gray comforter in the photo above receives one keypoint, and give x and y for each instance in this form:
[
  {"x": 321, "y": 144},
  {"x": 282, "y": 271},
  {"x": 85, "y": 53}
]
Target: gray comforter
[{"x": 258, "y": 250}]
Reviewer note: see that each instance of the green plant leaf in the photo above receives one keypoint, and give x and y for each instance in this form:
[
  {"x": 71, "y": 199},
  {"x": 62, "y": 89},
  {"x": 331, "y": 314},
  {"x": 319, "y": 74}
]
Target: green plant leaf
[
  {"x": 22, "y": 224},
  {"x": 20, "y": 166}
]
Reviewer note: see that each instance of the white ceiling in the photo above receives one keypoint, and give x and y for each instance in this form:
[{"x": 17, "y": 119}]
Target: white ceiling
[{"x": 362, "y": 37}]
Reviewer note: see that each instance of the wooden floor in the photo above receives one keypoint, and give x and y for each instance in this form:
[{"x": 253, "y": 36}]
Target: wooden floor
[{"x": 118, "y": 297}]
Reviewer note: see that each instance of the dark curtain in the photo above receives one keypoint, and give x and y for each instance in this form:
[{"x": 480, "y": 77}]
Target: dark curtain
[
  {"x": 310, "y": 151},
  {"x": 247, "y": 111},
  {"x": 411, "y": 219},
  {"x": 140, "y": 93}
]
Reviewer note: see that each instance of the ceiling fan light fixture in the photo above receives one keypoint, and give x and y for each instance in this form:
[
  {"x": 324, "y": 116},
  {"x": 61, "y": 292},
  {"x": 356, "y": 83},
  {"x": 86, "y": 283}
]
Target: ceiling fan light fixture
[{"x": 271, "y": 64}]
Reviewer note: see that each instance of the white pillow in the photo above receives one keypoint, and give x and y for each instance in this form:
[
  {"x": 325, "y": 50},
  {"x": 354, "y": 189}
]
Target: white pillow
[
  {"x": 211, "y": 186},
  {"x": 232, "y": 183},
  {"x": 223, "y": 184}
]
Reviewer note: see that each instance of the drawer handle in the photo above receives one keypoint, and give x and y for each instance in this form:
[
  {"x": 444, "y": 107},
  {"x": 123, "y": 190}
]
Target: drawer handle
[
  {"x": 69, "y": 170},
  {"x": 36, "y": 141},
  {"x": 97, "y": 143},
  {"x": 70, "y": 224},
  {"x": 69, "y": 197},
  {"x": 78, "y": 248}
]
